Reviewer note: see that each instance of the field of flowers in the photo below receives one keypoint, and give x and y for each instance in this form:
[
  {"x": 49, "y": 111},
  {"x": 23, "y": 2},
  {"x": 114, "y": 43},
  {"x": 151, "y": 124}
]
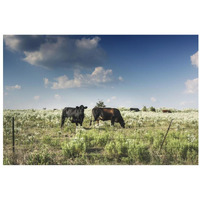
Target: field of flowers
[{"x": 40, "y": 141}]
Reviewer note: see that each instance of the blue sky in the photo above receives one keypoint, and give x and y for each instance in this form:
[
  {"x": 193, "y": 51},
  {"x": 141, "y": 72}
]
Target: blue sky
[{"x": 122, "y": 70}]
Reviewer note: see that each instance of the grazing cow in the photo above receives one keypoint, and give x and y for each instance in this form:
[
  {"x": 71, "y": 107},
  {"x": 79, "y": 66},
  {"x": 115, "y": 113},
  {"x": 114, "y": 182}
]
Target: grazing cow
[
  {"x": 166, "y": 111},
  {"x": 105, "y": 114},
  {"x": 44, "y": 108},
  {"x": 135, "y": 109},
  {"x": 76, "y": 115},
  {"x": 55, "y": 109}
]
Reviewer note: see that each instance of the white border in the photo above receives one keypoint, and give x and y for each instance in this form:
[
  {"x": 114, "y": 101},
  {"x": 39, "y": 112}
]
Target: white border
[{"x": 98, "y": 17}]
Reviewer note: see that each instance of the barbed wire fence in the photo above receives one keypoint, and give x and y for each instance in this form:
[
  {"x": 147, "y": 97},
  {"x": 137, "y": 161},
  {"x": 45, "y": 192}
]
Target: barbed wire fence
[{"x": 16, "y": 145}]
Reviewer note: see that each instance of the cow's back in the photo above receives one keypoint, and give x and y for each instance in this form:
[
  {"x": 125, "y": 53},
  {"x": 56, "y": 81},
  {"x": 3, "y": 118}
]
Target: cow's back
[
  {"x": 69, "y": 111},
  {"x": 109, "y": 113}
]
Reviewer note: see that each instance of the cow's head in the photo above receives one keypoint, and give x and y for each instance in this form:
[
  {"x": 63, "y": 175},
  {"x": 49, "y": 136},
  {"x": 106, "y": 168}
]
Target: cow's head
[
  {"x": 81, "y": 108},
  {"x": 122, "y": 123}
]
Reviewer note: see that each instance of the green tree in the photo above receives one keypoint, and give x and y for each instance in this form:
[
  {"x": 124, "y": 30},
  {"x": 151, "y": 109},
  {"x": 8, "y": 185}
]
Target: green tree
[
  {"x": 100, "y": 104},
  {"x": 144, "y": 108},
  {"x": 152, "y": 109}
]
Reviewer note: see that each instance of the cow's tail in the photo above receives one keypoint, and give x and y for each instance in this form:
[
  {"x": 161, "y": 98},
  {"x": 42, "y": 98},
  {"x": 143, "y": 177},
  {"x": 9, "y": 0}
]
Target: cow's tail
[{"x": 62, "y": 118}]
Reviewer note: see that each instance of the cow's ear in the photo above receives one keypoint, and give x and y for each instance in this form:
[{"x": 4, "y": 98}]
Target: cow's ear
[{"x": 85, "y": 107}]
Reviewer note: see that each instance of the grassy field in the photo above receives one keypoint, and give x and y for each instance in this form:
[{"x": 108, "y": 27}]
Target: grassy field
[{"x": 40, "y": 141}]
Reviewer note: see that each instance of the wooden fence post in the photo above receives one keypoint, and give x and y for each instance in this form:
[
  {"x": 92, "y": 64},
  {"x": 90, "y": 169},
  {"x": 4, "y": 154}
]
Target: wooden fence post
[
  {"x": 13, "y": 134},
  {"x": 166, "y": 135}
]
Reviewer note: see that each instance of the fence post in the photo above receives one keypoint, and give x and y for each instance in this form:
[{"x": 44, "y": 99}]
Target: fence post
[
  {"x": 166, "y": 135},
  {"x": 13, "y": 134}
]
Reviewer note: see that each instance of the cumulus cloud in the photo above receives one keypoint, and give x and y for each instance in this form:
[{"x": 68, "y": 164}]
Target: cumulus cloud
[
  {"x": 98, "y": 77},
  {"x": 194, "y": 59},
  {"x": 153, "y": 99},
  {"x": 36, "y": 97},
  {"x": 57, "y": 96},
  {"x": 87, "y": 43},
  {"x": 191, "y": 86},
  {"x": 111, "y": 99},
  {"x": 14, "y": 87},
  {"x": 58, "y": 51},
  {"x": 21, "y": 43}
]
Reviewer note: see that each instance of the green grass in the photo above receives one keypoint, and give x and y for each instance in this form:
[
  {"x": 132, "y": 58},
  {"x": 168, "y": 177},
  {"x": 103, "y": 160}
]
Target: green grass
[{"x": 40, "y": 141}]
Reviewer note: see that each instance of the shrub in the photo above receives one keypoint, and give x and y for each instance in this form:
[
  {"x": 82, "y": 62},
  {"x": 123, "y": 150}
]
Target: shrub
[
  {"x": 144, "y": 108},
  {"x": 139, "y": 152},
  {"x": 152, "y": 109},
  {"x": 41, "y": 158},
  {"x": 74, "y": 148}
]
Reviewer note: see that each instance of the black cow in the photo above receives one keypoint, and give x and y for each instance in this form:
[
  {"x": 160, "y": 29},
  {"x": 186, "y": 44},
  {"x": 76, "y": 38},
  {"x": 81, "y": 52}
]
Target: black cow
[
  {"x": 135, "y": 109},
  {"x": 76, "y": 115},
  {"x": 105, "y": 114}
]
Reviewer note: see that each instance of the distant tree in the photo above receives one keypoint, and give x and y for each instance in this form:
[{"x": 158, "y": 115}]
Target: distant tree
[
  {"x": 152, "y": 109},
  {"x": 100, "y": 104},
  {"x": 144, "y": 108}
]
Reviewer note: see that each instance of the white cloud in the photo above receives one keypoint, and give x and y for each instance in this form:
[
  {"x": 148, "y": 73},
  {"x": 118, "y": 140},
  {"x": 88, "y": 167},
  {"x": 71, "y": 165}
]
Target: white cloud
[
  {"x": 36, "y": 97},
  {"x": 111, "y": 99},
  {"x": 62, "y": 52},
  {"x": 87, "y": 43},
  {"x": 153, "y": 99},
  {"x": 46, "y": 82},
  {"x": 5, "y": 93},
  {"x": 57, "y": 96},
  {"x": 11, "y": 42},
  {"x": 14, "y": 87},
  {"x": 98, "y": 77},
  {"x": 57, "y": 51},
  {"x": 194, "y": 59},
  {"x": 120, "y": 78},
  {"x": 21, "y": 43},
  {"x": 191, "y": 86}
]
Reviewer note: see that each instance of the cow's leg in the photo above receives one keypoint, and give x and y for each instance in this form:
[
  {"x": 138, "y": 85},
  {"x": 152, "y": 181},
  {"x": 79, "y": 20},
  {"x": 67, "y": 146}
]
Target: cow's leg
[
  {"x": 96, "y": 120},
  {"x": 92, "y": 122},
  {"x": 96, "y": 123},
  {"x": 62, "y": 121},
  {"x": 112, "y": 121},
  {"x": 81, "y": 121},
  {"x": 75, "y": 120}
]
